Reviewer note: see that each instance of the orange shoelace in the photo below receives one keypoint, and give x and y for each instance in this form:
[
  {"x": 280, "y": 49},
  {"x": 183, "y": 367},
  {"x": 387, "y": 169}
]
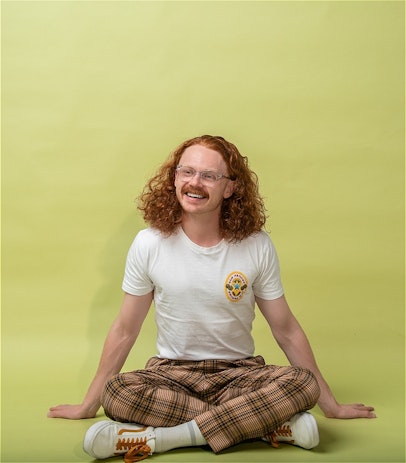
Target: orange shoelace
[
  {"x": 137, "y": 449},
  {"x": 284, "y": 431},
  {"x": 137, "y": 453},
  {"x": 272, "y": 439}
]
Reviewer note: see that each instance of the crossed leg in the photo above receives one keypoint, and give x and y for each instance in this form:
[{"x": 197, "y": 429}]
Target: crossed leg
[{"x": 228, "y": 404}]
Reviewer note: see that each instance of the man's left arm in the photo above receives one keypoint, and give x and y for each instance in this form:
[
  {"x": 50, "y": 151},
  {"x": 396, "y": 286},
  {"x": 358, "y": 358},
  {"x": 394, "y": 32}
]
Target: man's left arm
[{"x": 294, "y": 343}]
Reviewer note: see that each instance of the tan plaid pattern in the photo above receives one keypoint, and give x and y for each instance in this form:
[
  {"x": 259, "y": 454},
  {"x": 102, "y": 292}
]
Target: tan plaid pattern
[{"x": 231, "y": 401}]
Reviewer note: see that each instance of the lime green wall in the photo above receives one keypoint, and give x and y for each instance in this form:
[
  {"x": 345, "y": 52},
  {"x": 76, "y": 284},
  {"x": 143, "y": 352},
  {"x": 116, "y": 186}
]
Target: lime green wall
[{"x": 96, "y": 94}]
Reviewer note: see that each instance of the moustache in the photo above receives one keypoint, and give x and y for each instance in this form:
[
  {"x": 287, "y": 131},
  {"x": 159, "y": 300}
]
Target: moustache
[{"x": 194, "y": 191}]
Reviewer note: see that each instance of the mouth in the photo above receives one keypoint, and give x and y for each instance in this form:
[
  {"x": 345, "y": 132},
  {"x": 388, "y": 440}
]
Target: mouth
[{"x": 195, "y": 195}]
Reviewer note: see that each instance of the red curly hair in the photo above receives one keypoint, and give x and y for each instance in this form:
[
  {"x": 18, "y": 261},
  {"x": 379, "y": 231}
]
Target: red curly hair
[{"x": 241, "y": 215}]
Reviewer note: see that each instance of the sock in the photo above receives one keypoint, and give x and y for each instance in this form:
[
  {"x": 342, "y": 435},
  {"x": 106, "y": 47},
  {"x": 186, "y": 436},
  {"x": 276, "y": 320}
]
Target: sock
[{"x": 184, "y": 435}]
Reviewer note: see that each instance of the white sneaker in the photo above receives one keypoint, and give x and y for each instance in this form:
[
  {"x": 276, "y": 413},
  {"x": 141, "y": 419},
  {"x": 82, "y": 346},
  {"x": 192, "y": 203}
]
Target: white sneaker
[
  {"x": 300, "y": 430},
  {"x": 109, "y": 438}
]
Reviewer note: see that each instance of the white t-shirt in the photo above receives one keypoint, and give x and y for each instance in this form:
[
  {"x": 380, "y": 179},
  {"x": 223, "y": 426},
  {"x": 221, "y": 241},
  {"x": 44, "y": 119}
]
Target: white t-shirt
[{"x": 204, "y": 296}]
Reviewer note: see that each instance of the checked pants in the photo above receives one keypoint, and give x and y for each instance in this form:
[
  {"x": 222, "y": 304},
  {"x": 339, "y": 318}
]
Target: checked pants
[{"x": 231, "y": 401}]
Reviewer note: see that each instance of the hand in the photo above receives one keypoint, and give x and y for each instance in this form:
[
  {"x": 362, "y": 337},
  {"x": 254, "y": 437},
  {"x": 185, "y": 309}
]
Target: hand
[
  {"x": 350, "y": 411},
  {"x": 71, "y": 412}
]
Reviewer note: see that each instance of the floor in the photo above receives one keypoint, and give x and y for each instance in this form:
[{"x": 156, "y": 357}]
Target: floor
[{"x": 29, "y": 436}]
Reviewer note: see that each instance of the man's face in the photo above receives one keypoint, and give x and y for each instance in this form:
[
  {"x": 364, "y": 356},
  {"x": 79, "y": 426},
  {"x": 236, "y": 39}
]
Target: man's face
[{"x": 195, "y": 194}]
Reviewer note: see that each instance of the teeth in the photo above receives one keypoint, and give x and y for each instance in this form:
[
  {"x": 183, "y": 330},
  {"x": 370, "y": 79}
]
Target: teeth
[{"x": 192, "y": 195}]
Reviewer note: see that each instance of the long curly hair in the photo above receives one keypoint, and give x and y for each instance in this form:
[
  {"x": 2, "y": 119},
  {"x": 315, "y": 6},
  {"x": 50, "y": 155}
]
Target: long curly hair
[{"x": 242, "y": 214}]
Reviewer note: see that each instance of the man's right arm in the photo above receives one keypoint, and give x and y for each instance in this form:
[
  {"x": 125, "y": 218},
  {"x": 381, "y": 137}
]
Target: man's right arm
[{"x": 119, "y": 341}]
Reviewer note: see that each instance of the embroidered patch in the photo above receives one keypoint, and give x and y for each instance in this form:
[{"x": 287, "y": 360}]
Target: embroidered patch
[{"x": 235, "y": 286}]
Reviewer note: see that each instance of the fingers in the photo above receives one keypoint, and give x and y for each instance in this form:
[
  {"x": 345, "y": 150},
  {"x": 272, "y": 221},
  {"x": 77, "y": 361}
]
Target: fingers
[
  {"x": 369, "y": 412},
  {"x": 54, "y": 412},
  {"x": 363, "y": 411},
  {"x": 60, "y": 411},
  {"x": 70, "y": 412},
  {"x": 352, "y": 411}
]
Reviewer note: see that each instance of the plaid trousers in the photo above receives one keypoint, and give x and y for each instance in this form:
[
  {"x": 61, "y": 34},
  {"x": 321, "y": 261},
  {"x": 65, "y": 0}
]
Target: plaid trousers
[{"x": 231, "y": 401}]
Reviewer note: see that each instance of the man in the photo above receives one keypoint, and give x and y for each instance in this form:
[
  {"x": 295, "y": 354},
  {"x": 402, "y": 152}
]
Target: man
[{"x": 204, "y": 261}]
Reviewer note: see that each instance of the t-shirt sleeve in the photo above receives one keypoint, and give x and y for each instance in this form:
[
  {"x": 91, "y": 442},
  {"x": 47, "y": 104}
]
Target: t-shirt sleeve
[
  {"x": 268, "y": 284},
  {"x": 136, "y": 280}
]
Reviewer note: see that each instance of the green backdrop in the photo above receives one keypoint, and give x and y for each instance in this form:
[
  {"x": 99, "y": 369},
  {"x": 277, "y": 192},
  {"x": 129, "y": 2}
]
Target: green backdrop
[{"x": 95, "y": 94}]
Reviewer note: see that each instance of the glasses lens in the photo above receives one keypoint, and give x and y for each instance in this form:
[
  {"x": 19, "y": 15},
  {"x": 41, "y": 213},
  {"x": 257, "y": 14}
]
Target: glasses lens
[
  {"x": 208, "y": 176},
  {"x": 186, "y": 172}
]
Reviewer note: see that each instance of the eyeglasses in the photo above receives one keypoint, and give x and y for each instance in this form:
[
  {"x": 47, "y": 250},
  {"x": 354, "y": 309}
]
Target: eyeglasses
[{"x": 206, "y": 176}]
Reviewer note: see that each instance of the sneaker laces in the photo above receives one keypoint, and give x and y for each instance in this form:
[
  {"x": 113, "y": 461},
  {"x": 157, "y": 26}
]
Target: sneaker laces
[
  {"x": 282, "y": 431},
  {"x": 137, "y": 449},
  {"x": 272, "y": 439},
  {"x": 137, "y": 453}
]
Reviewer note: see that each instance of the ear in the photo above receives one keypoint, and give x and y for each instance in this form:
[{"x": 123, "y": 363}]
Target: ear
[{"x": 229, "y": 190}]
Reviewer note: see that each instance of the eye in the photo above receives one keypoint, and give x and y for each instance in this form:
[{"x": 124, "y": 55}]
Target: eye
[
  {"x": 187, "y": 171},
  {"x": 210, "y": 176}
]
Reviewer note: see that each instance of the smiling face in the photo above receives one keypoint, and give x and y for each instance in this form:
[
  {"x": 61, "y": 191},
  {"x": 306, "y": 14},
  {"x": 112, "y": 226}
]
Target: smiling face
[{"x": 196, "y": 196}]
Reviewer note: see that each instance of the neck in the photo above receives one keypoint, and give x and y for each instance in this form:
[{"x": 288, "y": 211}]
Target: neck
[{"x": 202, "y": 231}]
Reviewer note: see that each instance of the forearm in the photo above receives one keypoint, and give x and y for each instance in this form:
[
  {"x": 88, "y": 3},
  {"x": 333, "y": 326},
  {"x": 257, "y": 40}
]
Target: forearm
[
  {"x": 115, "y": 351},
  {"x": 293, "y": 341},
  {"x": 299, "y": 352},
  {"x": 112, "y": 359},
  {"x": 117, "y": 346}
]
